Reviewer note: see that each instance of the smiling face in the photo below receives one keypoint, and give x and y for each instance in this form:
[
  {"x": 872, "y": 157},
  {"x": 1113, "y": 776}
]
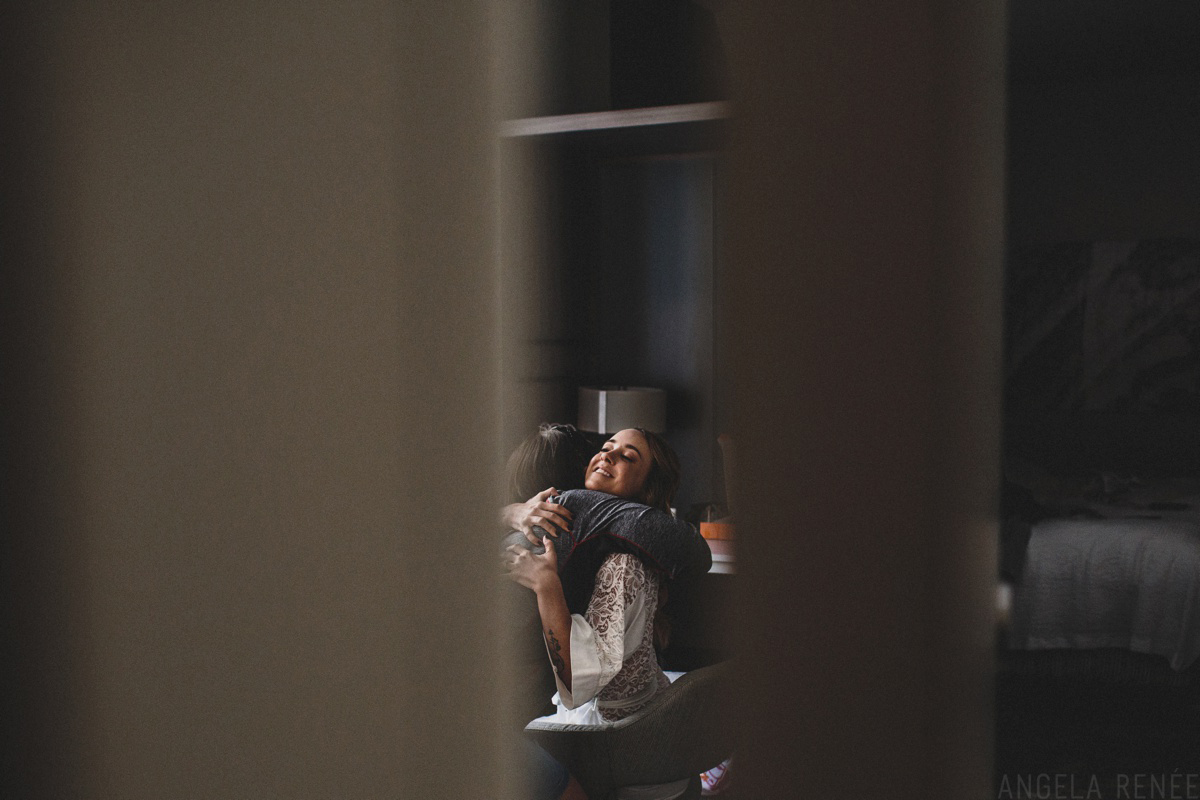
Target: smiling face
[{"x": 621, "y": 467}]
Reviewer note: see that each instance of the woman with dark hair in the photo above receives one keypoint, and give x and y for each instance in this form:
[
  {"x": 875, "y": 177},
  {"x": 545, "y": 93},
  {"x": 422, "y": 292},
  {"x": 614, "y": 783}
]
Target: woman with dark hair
[
  {"x": 611, "y": 516},
  {"x": 603, "y": 654}
]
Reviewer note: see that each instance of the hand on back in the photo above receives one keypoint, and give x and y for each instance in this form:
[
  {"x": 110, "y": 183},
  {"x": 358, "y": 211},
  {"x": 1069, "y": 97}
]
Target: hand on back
[{"x": 538, "y": 512}]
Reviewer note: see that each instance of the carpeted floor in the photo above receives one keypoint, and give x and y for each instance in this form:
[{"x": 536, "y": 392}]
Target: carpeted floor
[
  {"x": 1068, "y": 739},
  {"x": 1058, "y": 739}
]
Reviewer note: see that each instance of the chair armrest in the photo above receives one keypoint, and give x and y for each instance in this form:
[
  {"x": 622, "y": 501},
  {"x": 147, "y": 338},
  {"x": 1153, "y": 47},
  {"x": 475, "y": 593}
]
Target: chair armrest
[{"x": 681, "y": 733}]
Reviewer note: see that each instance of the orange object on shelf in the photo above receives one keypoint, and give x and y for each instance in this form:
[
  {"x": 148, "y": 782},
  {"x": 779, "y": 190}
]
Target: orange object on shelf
[{"x": 716, "y": 530}]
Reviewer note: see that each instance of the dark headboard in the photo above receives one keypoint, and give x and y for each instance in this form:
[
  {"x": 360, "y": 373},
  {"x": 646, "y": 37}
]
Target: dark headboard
[{"x": 1103, "y": 355}]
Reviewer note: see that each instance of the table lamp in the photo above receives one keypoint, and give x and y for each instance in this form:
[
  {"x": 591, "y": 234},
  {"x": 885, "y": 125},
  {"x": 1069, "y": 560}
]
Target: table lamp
[{"x": 608, "y": 409}]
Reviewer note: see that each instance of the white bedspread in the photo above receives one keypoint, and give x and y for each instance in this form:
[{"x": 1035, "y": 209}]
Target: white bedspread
[{"x": 1130, "y": 580}]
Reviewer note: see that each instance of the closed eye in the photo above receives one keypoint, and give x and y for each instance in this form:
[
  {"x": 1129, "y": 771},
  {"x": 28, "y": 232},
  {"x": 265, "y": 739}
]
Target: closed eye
[{"x": 622, "y": 454}]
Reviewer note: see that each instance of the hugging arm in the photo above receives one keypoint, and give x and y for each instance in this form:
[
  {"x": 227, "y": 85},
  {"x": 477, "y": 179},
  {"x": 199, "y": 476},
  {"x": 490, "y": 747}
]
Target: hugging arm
[
  {"x": 697, "y": 558},
  {"x": 539, "y": 572},
  {"x": 674, "y": 545},
  {"x": 537, "y": 512}
]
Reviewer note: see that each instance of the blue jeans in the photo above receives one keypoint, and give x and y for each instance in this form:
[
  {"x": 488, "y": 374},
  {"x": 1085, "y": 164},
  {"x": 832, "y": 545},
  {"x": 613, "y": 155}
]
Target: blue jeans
[{"x": 547, "y": 778}]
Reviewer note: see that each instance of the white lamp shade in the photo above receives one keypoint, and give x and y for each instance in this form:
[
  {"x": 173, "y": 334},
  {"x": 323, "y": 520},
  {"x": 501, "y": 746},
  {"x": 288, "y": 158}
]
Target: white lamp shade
[{"x": 608, "y": 409}]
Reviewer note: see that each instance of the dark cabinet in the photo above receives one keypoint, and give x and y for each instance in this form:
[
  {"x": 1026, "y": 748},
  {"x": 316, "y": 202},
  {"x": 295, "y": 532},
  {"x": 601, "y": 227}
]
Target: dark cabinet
[{"x": 627, "y": 234}]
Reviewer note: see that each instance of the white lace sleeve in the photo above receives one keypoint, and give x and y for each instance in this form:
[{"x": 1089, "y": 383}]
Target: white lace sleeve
[{"x": 613, "y": 626}]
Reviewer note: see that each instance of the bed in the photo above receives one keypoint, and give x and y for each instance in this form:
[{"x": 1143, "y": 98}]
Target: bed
[
  {"x": 1102, "y": 398},
  {"x": 1114, "y": 565}
]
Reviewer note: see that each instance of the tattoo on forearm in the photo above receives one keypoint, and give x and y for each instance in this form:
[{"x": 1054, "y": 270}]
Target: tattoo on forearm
[{"x": 555, "y": 650}]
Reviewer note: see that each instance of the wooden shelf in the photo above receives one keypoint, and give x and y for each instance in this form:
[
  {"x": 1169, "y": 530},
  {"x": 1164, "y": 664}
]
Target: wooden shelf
[
  {"x": 657, "y": 131},
  {"x": 614, "y": 120}
]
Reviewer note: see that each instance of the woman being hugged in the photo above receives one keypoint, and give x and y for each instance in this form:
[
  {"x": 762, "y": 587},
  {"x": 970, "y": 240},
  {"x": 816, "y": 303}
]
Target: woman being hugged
[{"x": 604, "y": 660}]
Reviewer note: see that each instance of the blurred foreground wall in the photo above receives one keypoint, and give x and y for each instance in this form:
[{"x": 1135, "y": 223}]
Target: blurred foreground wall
[
  {"x": 250, "y": 400},
  {"x": 865, "y": 230}
]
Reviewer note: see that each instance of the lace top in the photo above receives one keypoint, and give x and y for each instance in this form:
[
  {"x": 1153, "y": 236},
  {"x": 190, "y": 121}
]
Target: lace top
[{"x": 612, "y": 644}]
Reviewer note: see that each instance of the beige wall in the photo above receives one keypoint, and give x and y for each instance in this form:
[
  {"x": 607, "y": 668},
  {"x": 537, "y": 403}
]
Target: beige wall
[{"x": 267, "y": 245}]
